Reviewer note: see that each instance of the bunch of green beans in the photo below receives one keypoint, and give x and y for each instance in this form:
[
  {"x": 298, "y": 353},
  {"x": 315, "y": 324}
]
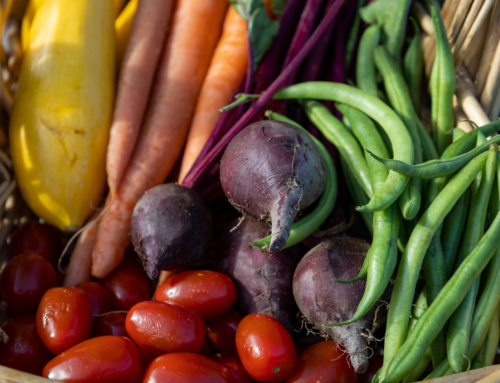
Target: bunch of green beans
[{"x": 430, "y": 200}]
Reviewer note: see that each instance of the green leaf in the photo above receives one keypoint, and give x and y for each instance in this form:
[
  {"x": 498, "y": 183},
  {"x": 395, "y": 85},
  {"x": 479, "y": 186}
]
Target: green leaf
[{"x": 261, "y": 29}]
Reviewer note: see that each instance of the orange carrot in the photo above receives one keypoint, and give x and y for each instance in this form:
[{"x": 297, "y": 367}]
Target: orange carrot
[
  {"x": 227, "y": 69},
  {"x": 139, "y": 64},
  {"x": 196, "y": 27},
  {"x": 80, "y": 263}
]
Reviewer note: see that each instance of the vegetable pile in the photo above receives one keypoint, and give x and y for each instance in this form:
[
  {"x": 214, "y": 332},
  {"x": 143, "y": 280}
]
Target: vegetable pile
[{"x": 250, "y": 190}]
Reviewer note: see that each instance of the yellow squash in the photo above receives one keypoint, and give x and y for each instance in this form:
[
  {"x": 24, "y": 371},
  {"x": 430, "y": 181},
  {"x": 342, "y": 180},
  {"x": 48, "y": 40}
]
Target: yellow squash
[{"x": 63, "y": 108}]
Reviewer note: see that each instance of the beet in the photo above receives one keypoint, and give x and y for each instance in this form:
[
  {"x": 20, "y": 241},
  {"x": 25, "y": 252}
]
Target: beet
[
  {"x": 323, "y": 301},
  {"x": 273, "y": 170},
  {"x": 263, "y": 281},
  {"x": 171, "y": 228}
]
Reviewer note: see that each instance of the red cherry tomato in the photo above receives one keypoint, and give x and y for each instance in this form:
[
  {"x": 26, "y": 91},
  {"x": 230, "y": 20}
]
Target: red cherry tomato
[
  {"x": 208, "y": 293},
  {"x": 34, "y": 237},
  {"x": 323, "y": 361},
  {"x": 24, "y": 280},
  {"x": 64, "y": 318},
  {"x": 375, "y": 365},
  {"x": 233, "y": 364},
  {"x": 159, "y": 327},
  {"x": 186, "y": 367},
  {"x": 107, "y": 359},
  {"x": 98, "y": 297},
  {"x": 127, "y": 285},
  {"x": 221, "y": 331},
  {"x": 111, "y": 324},
  {"x": 265, "y": 348},
  {"x": 24, "y": 351}
]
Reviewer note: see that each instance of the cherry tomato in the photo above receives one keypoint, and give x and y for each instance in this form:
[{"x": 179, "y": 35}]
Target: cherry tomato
[
  {"x": 106, "y": 359},
  {"x": 325, "y": 362},
  {"x": 127, "y": 285},
  {"x": 159, "y": 327},
  {"x": 34, "y": 237},
  {"x": 98, "y": 297},
  {"x": 208, "y": 293},
  {"x": 64, "y": 318},
  {"x": 24, "y": 280},
  {"x": 233, "y": 364},
  {"x": 265, "y": 348},
  {"x": 24, "y": 351},
  {"x": 221, "y": 331},
  {"x": 111, "y": 324},
  {"x": 375, "y": 365},
  {"x": 186, "y": 367}
]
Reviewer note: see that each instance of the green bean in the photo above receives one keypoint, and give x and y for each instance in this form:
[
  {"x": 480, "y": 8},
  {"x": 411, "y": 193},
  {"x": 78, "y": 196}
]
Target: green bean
[
  {"x": 399, "y": 97},
  {"x": 413, "y": 64},
  {"x": 309, "y": 224},
  {"x": 460, "y": 321},
  {"x": 433, "y": 320},
  {"x": 429, "y": 149},
  {"x": 353, "y": 35},
  {"x": 437, "y": 168},
  {"x": 345, "y": 142},
  {"x": 443, "y": 369},
  {"x": 366, "y": 77},
  {"x": 487, "y": 353},
  {"x": 452, "y": 232},
  {"x": 381, "y": 113},
  {"x": 480, "y": 139},
  {"x": 359, "y": 197},
  {"x": 457, "y": 133},
  {"x": 411, "y": 260},
  {"x": 442, "y": 84}
]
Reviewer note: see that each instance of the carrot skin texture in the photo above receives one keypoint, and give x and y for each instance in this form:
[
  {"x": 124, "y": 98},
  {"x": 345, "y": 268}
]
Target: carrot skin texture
[
  {"x": 227, "y": 70},
  {"x": 180, "y": 76},
  {"x": 136, "y": 78}
]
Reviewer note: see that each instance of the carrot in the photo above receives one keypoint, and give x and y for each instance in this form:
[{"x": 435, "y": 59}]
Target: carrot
[
  {"x": 227, "y": 70},
  {"x": 80, "y": 263},
  {"x": 139, "y": 64},
  {"x": 196, "y": 27}
]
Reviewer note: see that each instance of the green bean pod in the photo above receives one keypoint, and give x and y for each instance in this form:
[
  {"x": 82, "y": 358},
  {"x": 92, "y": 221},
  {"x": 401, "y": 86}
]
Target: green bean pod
[
  {"x": 429, "y": 150},
  {"x": 411, "y": 260},
  {"x": 480, "y": 139},
  {"x": 452, "y": 232},
  {"x": 442, "y": 84},
  {"x": 399, "y": 97},
  {"x": 413, "y": 64},
  {"x": 487, "y": 352},
  {"x": 345, "y": 142},
  {"x": 433, "y": 320},
  {"x": 460, "y": 321},
  {"x": 457, "y": 133},
  {"x": 400, "y": 138},
  {"x": 309, "y": 224},
  {"x": 366, "y": 76}
]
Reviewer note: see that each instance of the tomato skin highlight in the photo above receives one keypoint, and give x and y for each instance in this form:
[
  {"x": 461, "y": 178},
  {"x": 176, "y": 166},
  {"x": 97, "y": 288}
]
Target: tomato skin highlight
[
  {"x": 208, "y": 293},
  {"x": 221, "y": 331},
  {"x": 24, "y": 351},
  {"x": 265, "y": 348},
  {"x": 186, "y": 367},
  {"x": 159, "y": 328},
  {"x": 106, "y": 359},
  {"x": 233, "y": 364},
  {"x": 111, "y": 324},
  {"x": 64, "y": 318},
  {"x": 34, "y": 237},
  {"x": 24, "y": 280},
  {"x": 98, "y": 296},
  {"x": 324, "y": 362},
  {"x": 127, "y": 285}
]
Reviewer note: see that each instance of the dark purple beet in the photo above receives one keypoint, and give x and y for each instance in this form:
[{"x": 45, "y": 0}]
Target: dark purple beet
[
  {"x": 323, "y": 301},
  {"x": 272, "y": 170},
  {"x": 263, "y": 280},
  {"x": 171, "y": 228}
]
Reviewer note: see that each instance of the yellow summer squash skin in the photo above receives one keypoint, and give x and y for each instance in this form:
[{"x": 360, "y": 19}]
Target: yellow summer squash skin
[{"x": 63, "y": 108}]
